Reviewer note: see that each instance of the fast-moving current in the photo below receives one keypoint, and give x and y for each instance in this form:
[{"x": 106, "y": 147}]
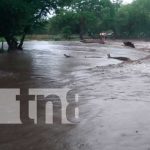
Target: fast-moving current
[{"x": 114, "y": 96}]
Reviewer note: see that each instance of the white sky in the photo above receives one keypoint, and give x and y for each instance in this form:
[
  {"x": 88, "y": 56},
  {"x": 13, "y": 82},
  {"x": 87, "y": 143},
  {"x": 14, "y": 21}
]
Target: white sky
[{"x": 127, "y": 1}]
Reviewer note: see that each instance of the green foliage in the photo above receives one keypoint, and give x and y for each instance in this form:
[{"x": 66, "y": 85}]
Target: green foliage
[
  {"x": 84, "y": 17},
  {"x": 66, "y": 31},
  {"x": 133, "y": 20},
  {"x": 94, "y": 16},
  {"x": 13, "y": 17},
  {"x": 19, "y": 17},
  {"x": 62, "y": 20}
]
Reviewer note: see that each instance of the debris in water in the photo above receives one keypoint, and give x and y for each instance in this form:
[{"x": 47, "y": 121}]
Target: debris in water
[
  {"x": 119, "y": 58},
  {"x": 129, "y": 44},
  {"x": 67, "y": 56}
]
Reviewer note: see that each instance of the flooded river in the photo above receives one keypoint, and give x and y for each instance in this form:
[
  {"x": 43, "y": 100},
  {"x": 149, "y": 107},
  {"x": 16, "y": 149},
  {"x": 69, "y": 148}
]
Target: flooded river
[{"x": 114, "y": 96}]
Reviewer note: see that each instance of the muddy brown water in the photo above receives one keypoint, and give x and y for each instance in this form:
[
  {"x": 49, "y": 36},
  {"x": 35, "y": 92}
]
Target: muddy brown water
[{"x": 114, "y": 96}]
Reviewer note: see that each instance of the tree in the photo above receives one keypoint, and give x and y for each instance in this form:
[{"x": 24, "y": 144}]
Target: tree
[
  {"x": 76, "y": 23},
  {"x": 85, "y": 17},
  {"x": 133, "y": 20},
  {"x": 18, "y": 17},
  {"x": 62, "y": 20},
  {"x": 95, "y": 16},
  {"x": 87, "y": 12}
]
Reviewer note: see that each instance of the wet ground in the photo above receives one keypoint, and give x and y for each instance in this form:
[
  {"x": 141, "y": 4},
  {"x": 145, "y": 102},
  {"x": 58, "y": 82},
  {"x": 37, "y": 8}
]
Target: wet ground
[{"x": 114, "y": 95}]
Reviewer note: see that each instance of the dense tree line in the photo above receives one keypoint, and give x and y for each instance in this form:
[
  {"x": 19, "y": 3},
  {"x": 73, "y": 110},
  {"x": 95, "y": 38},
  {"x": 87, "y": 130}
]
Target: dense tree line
[
  {"x": 82, "y": 17},
  {"x": 133, "y": 20},
  {"x": 91, "y": 17}
]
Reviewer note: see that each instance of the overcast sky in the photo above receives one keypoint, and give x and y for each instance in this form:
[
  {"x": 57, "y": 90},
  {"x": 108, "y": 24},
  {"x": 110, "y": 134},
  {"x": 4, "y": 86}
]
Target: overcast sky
[{"x": 127, "y": 1}]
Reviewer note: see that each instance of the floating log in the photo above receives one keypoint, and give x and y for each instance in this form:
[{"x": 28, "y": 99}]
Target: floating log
[{"x": 119, "y": 58}]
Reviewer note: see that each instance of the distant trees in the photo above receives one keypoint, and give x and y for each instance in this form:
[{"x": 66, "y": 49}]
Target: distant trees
[
  {"x": 93, "y": 16},
  {"x": 134, "y": 19},
  {"x": 75, "y": 23},
  {"x": 85, "y": 17},
  {"x": 18, "y": 17},
  {"x": 90, "y": 17}
]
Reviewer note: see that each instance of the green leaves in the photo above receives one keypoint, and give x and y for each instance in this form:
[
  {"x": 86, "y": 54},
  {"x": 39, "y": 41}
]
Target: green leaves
[
  {"x": 133, "y": 20},
  {"x": 16, "y": 15},
  {"x": 84, "y": 17}
]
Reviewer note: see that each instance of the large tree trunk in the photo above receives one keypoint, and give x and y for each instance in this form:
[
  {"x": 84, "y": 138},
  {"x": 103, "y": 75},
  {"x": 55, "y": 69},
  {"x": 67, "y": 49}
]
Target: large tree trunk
[
  {"x": 26, "y": 29},
  {"x": 21, "y": 42},
  {"x": 12, "y": 43}
]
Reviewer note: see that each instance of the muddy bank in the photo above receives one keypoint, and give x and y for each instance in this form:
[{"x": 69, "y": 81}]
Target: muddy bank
[{"x": 114, "y": 96}]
